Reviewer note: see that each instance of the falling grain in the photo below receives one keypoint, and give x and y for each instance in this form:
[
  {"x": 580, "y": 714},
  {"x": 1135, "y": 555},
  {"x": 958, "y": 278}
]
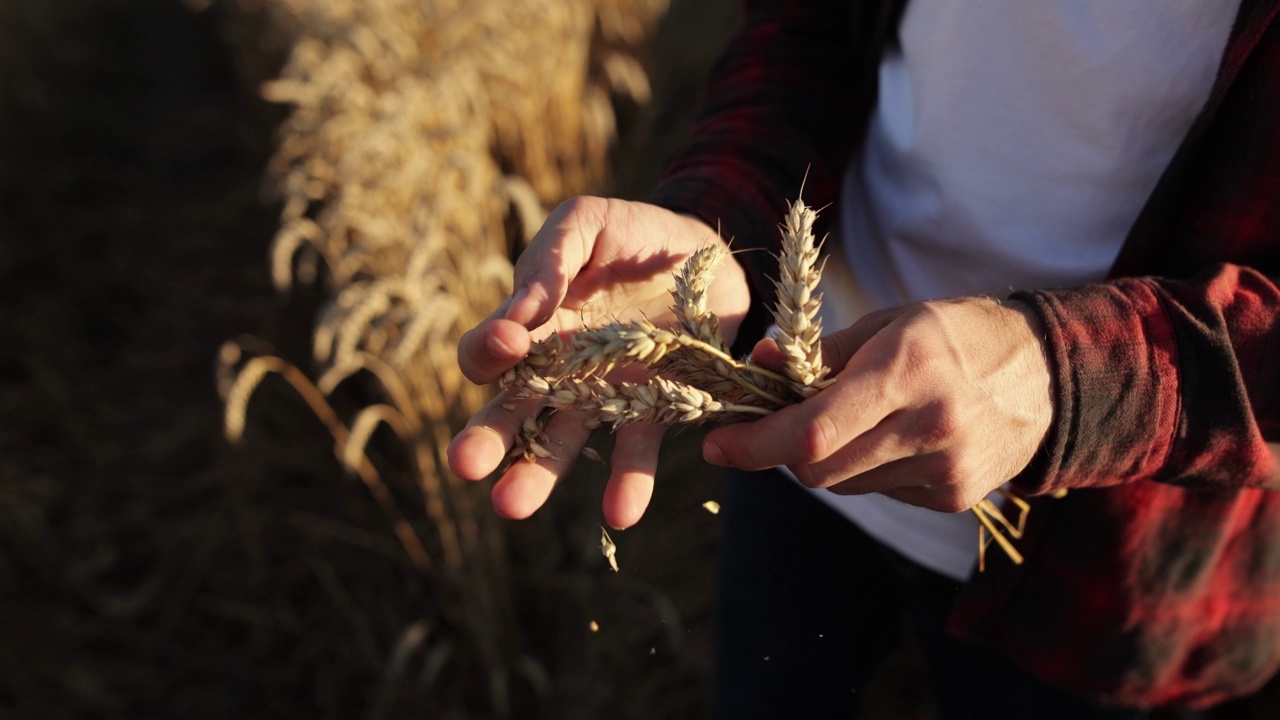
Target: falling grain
[{"x": 608, "y": 549}]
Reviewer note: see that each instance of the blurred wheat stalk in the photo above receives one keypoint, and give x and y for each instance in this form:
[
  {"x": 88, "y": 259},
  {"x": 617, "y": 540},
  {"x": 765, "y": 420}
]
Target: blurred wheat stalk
[{"x": 424, "y": 139}]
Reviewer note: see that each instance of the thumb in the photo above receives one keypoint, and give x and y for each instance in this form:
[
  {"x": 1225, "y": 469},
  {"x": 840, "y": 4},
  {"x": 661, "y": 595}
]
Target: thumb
[
  {"x": 838, "y": 347},
  {"x": 554, "y": 257}
]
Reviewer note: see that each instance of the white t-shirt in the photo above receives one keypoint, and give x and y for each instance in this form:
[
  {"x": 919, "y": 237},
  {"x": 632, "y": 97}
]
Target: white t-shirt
[{"x": 1013, "y": 145}]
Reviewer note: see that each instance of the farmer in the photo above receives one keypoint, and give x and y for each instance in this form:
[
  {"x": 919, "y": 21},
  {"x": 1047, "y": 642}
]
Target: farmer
[{"x": 1054, "y": 265}]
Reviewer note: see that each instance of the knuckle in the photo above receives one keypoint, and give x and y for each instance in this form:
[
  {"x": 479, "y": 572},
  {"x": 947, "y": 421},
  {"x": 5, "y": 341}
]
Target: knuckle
[
  {"x": 951, "y": 503},
  {"x": 572, "y": 205},
  {"x": 917, "y": 360},
  {"x": 580, "y": 208},
  {"x": 837, "y": 349},
  {"x": 932, "y": 310},
  {"x": 939, "y": 423},
  {"x": 918, "y": 347},
  {"x": 817, "y": 438},
  {"x": 467, "y": 362},
  {"x": 952, "y": 472}
]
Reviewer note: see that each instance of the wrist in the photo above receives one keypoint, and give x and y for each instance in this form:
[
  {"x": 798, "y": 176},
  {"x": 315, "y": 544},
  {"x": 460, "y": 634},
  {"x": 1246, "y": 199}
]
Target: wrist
[{"x": 1037, "y": 369}]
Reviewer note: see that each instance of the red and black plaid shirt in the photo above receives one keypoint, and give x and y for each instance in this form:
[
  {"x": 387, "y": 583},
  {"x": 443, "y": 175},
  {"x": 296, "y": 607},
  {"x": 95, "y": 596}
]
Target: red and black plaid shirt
[{"x": 1157, "y": 579}]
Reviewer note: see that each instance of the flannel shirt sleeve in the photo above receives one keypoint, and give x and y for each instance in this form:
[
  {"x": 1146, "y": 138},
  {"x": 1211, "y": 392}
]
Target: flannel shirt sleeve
[
  {"x": 1159, "y": 379},
  {"x": 783, "y": 106}
]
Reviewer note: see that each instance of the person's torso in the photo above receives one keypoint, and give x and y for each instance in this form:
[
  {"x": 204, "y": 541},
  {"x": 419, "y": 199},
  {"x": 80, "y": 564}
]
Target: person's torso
[{"x": 1013, "y": 144}]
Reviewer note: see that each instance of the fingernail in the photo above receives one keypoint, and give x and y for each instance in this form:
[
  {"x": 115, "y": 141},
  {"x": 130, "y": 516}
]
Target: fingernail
[
  {"x": 713, "y": 454},
  {"x": 498, "y": 348},
  {"x": 516, "y": 299}
]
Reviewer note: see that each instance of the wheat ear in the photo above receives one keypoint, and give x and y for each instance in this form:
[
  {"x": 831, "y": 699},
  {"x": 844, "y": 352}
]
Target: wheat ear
[
  {"x": 692, "y": 283},
  {"x": 725, "y": 381},
  {"x": 600, "y": 350},
  {"x": 796, "y": 314},
  {"x": 658, "y": 400}
]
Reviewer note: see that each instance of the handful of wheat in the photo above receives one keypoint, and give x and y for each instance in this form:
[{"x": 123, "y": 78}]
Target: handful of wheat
[{"x": 693, "y": 377}]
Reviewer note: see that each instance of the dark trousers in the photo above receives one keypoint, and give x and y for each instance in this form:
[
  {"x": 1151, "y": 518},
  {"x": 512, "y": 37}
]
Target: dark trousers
[{"x": 809, "y": 606}]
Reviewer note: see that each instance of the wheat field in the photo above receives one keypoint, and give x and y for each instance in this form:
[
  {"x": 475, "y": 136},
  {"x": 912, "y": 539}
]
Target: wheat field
[{"x": 153, "y": 208}]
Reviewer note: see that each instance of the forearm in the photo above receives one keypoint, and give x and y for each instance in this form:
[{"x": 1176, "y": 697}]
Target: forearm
[{"x": 1160, "y": 379}]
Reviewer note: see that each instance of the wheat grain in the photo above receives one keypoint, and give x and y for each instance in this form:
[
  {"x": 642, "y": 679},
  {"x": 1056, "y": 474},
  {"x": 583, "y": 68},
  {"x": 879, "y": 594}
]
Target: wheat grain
[
  {"x": 610, "y": 551},
  {"x": 599, "y": 350},
  {"x": 531, "y": 441}
]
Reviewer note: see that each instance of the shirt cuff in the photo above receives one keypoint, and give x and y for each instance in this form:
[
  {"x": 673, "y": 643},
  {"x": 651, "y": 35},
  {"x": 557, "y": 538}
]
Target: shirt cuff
[{"x": 1113, "y": 356}]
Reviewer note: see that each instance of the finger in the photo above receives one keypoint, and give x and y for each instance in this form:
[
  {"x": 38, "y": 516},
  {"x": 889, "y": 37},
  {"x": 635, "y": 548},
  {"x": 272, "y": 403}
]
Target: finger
[
  {"x": 554, "y": 257},
  {"x": 525, "y": 486},
  {"x": 804, "y": 433},
  {"x": 890, "y": 477},
  {"x": 894, "y": 438},
  {"x": 914, "y": 480},
  {"x": 491, "y": 348},
  {"x": 768, "y": 355},
  {"x": 634, "y": 464},
  {"x": 840, "y": 346},
  {"x": 489, "y": 435}
]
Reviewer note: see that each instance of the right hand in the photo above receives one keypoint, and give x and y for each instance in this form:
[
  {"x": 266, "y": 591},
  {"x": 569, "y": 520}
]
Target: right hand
[{"x": 593, "y": 261}]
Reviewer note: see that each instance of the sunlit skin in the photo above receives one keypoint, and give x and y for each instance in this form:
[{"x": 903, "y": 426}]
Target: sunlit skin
[{"x": 934, "y": 404}]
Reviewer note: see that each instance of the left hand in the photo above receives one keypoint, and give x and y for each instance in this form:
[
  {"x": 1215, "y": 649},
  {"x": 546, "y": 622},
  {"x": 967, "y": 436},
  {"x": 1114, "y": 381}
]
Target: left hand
[
  {"x": 595, "y": 259},
  {"x": 934, "y": 404}
]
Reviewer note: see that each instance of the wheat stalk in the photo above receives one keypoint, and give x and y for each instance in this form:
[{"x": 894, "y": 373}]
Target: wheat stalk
[{"x": 241, "y": 389}]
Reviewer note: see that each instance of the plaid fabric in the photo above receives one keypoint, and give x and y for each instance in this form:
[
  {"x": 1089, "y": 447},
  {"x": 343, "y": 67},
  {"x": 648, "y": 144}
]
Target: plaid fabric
[{"x": 1156, "y": 580}]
